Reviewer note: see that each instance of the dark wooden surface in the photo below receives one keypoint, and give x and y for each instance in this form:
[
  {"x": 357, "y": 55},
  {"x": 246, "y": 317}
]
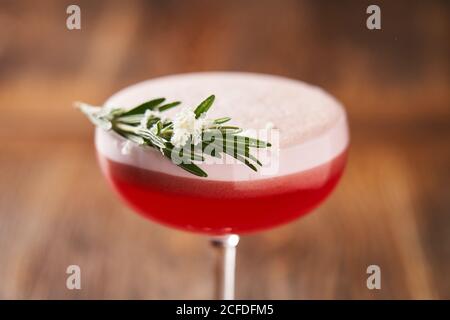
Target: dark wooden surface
[{"x": 391, "y": 209}]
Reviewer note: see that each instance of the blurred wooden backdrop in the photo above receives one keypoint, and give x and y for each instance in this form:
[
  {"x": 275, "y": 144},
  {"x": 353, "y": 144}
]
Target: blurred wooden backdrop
[{"x": 391, "y": 209}]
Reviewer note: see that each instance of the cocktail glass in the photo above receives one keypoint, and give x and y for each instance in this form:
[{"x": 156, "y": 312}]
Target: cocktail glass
[{"x": 310, "y": 156}]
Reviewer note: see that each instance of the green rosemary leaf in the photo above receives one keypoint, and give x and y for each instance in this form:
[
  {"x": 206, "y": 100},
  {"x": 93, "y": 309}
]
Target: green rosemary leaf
[
  {"x": 214, "y": 152},
  {"x": 189, "y": 167},
  {"x": 236, "y": 153},
  {"x": 230, "y": 136},
  {"x": 233, "y": 142},
  {"x": 230, "y": 131},
  {"x": 133, "y": 119},
  {"x": 168, "y": 106},
  {"x": 242, "y": 159},
  {"x": 204, "y": 106},
  {"x": 159, "y": 127},
  {"x": 149, "y": 105},
  {"x": 228, "y": 127},
  {"x": 134, "y": 138},
  {"x": 168, "y": 125},
  {"x": 194, "y": 169},
  {"x": 222, "y": 120},
  {"x": 246, "y": 153},
  {"x": 253, "y": 142}
]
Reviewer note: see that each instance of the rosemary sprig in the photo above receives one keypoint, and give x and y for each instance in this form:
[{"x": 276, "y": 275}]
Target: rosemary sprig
[{"x": 145, "y": 125}]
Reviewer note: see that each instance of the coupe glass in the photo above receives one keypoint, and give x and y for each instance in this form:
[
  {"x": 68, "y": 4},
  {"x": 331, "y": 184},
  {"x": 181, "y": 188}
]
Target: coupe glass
[{"x": 233, "y": 200}]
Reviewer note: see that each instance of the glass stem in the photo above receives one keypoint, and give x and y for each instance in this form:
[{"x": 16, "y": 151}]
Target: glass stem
[{"x": 225, "y": 263}]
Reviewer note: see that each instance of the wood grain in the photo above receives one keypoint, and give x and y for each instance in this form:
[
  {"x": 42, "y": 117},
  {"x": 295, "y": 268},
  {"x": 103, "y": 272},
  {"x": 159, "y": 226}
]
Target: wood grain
[{"x": 391, "y": 209}]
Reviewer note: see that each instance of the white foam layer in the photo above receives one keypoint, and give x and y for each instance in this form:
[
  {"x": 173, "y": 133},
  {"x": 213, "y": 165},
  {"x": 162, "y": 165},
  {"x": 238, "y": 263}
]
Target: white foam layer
[{"x": 312, "y": 125}]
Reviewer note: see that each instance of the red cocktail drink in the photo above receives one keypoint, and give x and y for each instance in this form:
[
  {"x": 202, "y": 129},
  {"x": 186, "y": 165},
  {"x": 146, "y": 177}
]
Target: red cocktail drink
[{"x": 233, "y": 207}]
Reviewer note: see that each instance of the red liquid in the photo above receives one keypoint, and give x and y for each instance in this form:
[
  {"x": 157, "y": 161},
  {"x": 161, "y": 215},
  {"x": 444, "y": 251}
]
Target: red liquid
[{"x": 221, "y": 207}]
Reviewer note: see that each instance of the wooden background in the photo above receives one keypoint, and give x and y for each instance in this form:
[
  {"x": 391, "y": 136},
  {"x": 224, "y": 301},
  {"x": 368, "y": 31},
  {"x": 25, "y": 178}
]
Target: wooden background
[{"x": 391, "y": 209}]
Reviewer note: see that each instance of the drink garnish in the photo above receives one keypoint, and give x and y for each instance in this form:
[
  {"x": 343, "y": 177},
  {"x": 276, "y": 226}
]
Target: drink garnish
[{"x": 187, "y": 137}]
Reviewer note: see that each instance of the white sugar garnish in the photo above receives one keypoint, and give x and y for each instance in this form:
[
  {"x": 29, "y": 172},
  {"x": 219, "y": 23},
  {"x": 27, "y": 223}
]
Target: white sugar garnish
[{"x": 185, "y": 126}]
